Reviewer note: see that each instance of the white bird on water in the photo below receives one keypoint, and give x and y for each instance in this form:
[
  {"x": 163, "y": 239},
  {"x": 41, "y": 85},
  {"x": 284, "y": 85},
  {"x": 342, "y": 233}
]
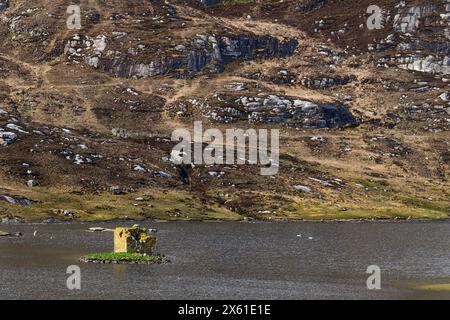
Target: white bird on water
[
  {"x": 35, "y": 232},
  {"x": 300, "y": 235}
]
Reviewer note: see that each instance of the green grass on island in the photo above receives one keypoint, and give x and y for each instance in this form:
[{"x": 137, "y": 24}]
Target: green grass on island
[{"x": 111, "y": 257}]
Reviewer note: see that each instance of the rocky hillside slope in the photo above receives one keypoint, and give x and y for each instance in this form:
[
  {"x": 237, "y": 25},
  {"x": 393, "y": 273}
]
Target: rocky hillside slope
[{"x": 86, "y": 115}]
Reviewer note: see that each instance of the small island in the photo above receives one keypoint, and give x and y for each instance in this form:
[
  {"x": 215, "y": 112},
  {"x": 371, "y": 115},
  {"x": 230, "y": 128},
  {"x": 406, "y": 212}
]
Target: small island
[
  {"x": 124, "y": 258},
  {"x": 131, "y": 246}
]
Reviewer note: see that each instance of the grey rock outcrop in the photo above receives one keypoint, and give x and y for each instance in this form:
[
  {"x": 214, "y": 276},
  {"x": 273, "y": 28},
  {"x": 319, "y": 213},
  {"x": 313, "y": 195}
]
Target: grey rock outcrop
[
  {"x": 429, "y": 64},
  {"x": 287, "y": 111},
  {"x": 326, "y": 82},
  {"x": 422, "y": 45},
  {"x": 7, "y": 138},
  {"x": 206, "y": 53},
  {"x": 408, "y": 20},
  {"x": 418, "y": 51},
  {"x": 32, "y": 183}
]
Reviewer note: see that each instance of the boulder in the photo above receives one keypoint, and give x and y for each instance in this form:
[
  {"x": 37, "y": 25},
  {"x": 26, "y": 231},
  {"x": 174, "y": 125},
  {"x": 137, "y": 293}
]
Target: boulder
[
  {"x": 302, "y": 188},
  {"x": 6, "y": 138},
  {"x": 15, "y": 200},
  {"x": 445, "y": 96},
  {"x": 326, "y": 82},
  {"x": 293, "y": 112},
  {"x": 116, "y": 190},
  {"x": 32, "y": 183}
]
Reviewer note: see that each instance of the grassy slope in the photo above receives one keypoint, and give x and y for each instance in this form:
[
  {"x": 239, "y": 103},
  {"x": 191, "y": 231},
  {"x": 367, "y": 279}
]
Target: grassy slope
[
  {"x": 157, "y": 204},
  {"x": 170, "y": 205}
]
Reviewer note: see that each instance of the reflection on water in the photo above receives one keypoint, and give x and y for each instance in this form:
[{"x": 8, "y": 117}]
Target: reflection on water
[{"x": 288, "y": 260}]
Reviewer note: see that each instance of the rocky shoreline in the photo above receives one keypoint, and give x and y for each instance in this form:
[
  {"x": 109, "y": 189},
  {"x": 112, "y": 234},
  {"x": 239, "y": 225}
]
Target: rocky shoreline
[{"x": 13, "y": 221}]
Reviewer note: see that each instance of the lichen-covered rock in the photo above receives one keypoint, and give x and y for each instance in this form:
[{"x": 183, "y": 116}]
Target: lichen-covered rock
[{"x": 116, "y": 190}]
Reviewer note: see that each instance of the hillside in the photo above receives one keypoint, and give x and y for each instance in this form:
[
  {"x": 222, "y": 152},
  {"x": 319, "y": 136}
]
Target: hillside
[{"x": 86, "y": 116}]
